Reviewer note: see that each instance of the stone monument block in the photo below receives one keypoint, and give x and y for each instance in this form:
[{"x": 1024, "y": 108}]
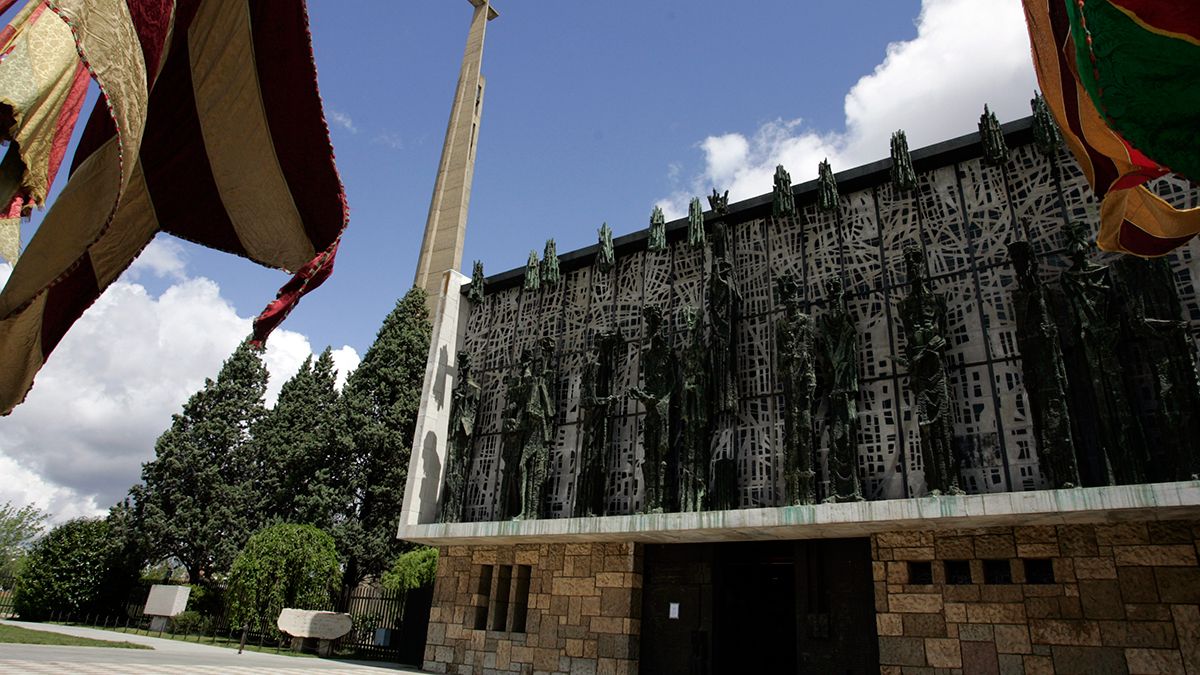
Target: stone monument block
[{"x": 325, "y": 627}]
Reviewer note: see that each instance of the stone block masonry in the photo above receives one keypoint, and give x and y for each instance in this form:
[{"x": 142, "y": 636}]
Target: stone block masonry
[
  {"x": 578, "y": 610},
  {"x": 1095, "y": 599}
]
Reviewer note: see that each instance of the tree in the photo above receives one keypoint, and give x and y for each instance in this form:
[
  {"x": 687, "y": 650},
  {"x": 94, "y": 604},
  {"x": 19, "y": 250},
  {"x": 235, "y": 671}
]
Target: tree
[
  {"x": 303, "y": 450},
  {"x": 380, "y": 402},
  {"x": 200, "y": 497},
  {"x": 18, "y": 530},
  {"x": 413, "y": 569},
  {"x": 284, "y": 565},
  {"x": 74, "y": 569}
]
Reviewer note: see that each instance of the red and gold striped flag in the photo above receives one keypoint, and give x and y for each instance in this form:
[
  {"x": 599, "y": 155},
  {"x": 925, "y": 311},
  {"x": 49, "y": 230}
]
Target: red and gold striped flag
[
  {"x": 1101, "y": 84},
  {"x": 210, "y": 128}
]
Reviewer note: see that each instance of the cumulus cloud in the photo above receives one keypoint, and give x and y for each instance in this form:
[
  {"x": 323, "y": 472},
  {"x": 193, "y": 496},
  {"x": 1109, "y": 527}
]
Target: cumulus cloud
[
  {"x": 343, "y": 120},
  {"x": 966, "y": 53},
  {"x": 78, "y": 442},
  {"x": 164, "y": 258}
]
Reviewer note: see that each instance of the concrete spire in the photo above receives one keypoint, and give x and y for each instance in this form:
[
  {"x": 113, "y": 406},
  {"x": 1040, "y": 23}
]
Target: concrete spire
[{"x": 446, "y": 226}]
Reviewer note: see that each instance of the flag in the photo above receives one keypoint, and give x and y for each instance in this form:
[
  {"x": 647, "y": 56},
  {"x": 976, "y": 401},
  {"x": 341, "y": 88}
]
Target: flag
[
  {"x": 1119, "y": 77},
  {"x": 210, "y": 128}
]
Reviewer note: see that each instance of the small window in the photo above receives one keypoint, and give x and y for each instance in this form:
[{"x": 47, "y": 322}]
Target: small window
[
  {"x": 484, "y": 591},
  {"x": 920, "y": 572},
  {"x": 997, "y": 572},
  {"x": 1039, "y": 571},
  {"x": 503, "y": 596},
  {"x": 958, "y": 572}
]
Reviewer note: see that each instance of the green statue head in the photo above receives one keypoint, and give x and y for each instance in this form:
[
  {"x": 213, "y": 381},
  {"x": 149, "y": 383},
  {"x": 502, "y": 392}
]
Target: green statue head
[
  {"x": 653, "y": 317},
  {"x": 718, "y": 202},
  {"x": 1079, "y": 242},
  {"x": 1021, "y": 254},
  {"x": 914, "y": 261}
]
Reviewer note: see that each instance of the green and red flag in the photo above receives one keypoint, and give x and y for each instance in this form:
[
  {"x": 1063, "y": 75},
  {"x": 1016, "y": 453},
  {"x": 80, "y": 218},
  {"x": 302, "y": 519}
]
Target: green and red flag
[{"x": 1122, "y": 79}]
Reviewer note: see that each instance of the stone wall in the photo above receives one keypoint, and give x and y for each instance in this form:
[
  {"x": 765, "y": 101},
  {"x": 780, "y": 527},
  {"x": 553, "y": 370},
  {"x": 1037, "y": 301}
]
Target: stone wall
[
  {"x": 1123, "y": 598},
  {"x": 583, "y": 610}
]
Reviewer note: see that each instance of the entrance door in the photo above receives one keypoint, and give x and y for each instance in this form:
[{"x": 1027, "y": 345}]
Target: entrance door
[{"x": 761, "y": 607}]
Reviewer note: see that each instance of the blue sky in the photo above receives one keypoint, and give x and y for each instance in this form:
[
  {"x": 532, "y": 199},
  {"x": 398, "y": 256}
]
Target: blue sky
[{"x": 594, "y": 112}]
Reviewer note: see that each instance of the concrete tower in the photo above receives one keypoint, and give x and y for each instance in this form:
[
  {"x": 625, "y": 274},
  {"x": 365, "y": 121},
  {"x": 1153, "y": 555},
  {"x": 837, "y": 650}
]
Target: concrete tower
[{"x": 446, "y": 226}]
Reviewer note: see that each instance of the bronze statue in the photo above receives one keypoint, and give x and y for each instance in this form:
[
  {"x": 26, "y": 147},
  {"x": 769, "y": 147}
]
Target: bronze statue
[
  {"x": 695, "y": 223},
  {"x": 656, "y": 241},
  {"x": 1157, "y": 344},
  {"x": 838, "y": 343},
  {"x": 827, "y": 191},
  {"x": 533, "y": 276},
  {"x": 783, "y": 202},
  {"x": 1105, "y": 420},
  {"x": 903, "y": 176},
  {"x": 658, "y": 374},
  {"x": 923, "y": 313},
  {"x": 794, "y": 356},
  {"x": 529, "y": 418},
  {"x": 605, "y": 257},
  {"x": 1045, "y": 373},
  {"x": 550, "y": 272},
  {"x": 596, "y": 405},
  {"x": 475, "y": 289},
  {"x": 723, "y": 300},
  {"x": 464, "y": 406},
  {"x": 995, "y": 150},
  {"x": 694, "y": 438}
]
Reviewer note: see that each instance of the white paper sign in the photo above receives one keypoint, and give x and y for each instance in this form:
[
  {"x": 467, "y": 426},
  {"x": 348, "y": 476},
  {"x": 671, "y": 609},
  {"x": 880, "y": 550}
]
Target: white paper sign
[{"x": 673, "y": 611}]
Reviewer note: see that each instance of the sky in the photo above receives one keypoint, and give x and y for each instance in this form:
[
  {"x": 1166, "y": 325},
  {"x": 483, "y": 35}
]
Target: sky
[{"x": 593, "y": 112}]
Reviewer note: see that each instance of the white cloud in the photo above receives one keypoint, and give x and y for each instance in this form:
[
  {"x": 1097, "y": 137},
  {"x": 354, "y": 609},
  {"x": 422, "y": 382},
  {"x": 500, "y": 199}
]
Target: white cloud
[
  {"x": 389, "y": 139},
  {"x": 77, "y": 443},
  {"x": 966, "y": 53},
  {"x": 163, "y": 257},
  {"x": 343, "y": 120}
]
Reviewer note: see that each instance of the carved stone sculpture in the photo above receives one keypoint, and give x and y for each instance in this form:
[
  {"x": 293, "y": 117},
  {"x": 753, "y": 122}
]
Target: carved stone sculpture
[
  {"x": 605, "y": 257},
  {"x": 658, "y": 374},
  {"x": 528, "y": 432},
  {"x": 596, "y": 405},
  {"x": 1158, "y": 346},
  {"x": 903, "y": 176},
  {"x": 695, "y": 223},
  {"x": 533, "y": 275},
  {"x": 1105, "y": 419},
  {"x": 464, "y": 406},
  {"x": 923, "y": 313},
  {"x": 995, "y": 150},
  {"x": 550, "y": 272},
  {"x": 475, "y": 290},
  {"x": 794, "y": 355},
  {"x": 1046, "y": 136},
  {"x": 723, "y": 300},
  {"x": 827, "y": 192},
  {"x": 783, "y": 202},
  {"x": 694, "y": 436},
  {"x": 838, "y": 344},
  {"x": 1044, "y": 370},
  {"x": 656, "y": 242}
]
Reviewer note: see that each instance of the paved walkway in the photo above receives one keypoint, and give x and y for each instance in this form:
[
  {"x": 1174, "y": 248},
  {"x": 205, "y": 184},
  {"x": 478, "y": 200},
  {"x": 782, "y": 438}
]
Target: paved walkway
[{"x": 167, "y": 658}]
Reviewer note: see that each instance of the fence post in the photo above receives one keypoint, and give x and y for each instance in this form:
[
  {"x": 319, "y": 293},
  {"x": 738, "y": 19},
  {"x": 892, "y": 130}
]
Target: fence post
[{"x": 245, "y": 627}]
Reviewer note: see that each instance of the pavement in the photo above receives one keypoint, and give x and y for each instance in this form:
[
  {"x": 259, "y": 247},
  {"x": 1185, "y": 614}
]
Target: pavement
[{"x": 168, "y": 657}]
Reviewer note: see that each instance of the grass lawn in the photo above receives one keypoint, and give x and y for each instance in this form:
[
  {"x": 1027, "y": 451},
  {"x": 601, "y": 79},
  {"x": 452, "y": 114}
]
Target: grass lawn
[
  {"x": 27, "y": 636},
  {"x": 231, "y": 641}
]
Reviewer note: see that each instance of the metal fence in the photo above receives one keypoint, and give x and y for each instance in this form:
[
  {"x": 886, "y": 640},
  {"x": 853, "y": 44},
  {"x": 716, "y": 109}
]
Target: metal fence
[{"x": 387, "y": 625}]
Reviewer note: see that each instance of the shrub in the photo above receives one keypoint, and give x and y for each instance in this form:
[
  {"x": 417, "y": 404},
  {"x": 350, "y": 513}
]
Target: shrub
[
  {"x": 187, "y": 622},
  {"x": 282, "y": 566},
  {"x": 74, "y": 569},
  {"x": 413, "y": 569}
]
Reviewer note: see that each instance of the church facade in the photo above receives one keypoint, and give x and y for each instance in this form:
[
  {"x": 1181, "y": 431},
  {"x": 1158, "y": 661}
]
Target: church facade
[{"x": 902, "y": 418}]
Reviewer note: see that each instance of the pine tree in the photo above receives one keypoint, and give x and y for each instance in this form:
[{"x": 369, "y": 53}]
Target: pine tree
[
  {"x": 303, "y": 450},
  {"x": 200, "y": 498},
  {"x": 380, "y": 402}
]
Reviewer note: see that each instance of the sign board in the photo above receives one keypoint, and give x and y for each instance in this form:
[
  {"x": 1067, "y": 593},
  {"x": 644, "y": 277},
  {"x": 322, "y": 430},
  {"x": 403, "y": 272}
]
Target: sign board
[
  {"x": 167, "y": 600},
  {"x": 673, "y": 611}
]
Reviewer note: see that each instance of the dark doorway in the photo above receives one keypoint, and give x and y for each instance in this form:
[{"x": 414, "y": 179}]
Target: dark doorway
[{"x": 761, "y": 607}]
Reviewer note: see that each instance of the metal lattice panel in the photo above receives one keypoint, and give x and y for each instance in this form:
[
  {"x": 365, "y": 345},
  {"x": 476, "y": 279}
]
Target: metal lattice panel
[{"x": 964, "y": 214}]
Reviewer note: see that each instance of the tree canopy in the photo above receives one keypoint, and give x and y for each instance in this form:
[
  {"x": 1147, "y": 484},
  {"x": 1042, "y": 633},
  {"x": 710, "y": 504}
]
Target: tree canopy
[
  {"x": 284, "y": 565},
  {"x": 200, "y": 498},
  {"x": 76, "y": 568},
  {"x": 19, "y": 527}
]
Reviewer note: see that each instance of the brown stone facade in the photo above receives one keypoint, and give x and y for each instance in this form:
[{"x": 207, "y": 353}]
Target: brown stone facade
[
  {"x": 582, "y": 608},
  {"x": 1122, "y": 598}
]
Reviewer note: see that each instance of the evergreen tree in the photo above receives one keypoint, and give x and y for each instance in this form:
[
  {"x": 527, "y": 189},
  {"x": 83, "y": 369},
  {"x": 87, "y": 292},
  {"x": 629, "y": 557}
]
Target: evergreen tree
[
  {"x": 200, "y": 498},
  {"x": 303, "y": 450},
  {"x": 380, "y": 403}
]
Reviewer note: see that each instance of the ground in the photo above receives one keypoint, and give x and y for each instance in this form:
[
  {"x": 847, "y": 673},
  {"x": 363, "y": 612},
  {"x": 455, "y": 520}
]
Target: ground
[{"x": 166, "y": 656}]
